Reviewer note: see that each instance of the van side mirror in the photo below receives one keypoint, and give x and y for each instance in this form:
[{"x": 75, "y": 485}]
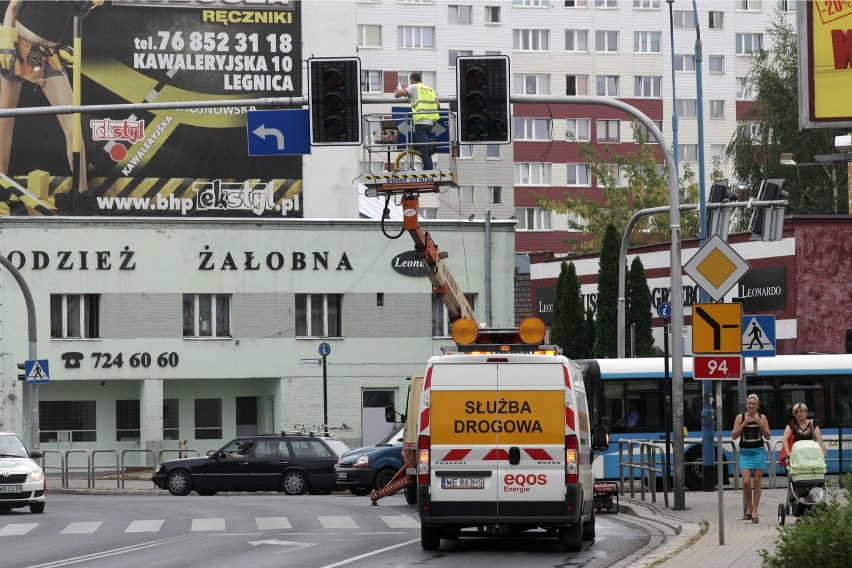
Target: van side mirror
[
  {"x": 600, "y": 438},
  {"x": 390, "y": 415}
]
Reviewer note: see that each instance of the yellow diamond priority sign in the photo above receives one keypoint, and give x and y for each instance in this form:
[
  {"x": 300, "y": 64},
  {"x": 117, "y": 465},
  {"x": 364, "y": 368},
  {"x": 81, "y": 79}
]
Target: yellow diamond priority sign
[{"x": 716, "y": 267}]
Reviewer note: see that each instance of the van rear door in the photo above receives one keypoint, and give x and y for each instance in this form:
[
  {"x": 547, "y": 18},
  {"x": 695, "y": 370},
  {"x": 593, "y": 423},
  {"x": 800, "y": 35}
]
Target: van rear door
[
  {"x": 463, "y": 399},
  {"x": 531, "y": 442}
]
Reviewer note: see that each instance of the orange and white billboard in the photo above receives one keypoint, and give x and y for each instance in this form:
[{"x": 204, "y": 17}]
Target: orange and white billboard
[{"x": 825, "y": 64}]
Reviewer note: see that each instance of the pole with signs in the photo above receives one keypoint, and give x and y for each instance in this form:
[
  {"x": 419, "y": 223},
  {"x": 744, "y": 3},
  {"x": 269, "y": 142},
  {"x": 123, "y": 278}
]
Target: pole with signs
[
  {"x": 664, "y": 310},
  {"x": 324, "y": 350}
]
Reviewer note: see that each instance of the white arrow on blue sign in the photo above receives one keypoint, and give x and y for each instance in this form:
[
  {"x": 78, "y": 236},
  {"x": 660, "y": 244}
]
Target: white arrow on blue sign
[{"x": 278, "y": 132}]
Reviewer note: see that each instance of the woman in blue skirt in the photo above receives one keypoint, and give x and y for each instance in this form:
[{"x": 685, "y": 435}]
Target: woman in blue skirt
[{"x": 754, "y": 428}]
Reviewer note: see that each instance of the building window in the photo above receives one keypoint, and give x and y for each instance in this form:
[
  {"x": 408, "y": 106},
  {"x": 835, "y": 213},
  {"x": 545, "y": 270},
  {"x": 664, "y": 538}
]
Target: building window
[
  {"x": 577, "y": 41},
  {"x": 208, "y": 418},
  {"x": 646, "y": 3},
  {"x": 530, "y": 3},
  {"x": 576, "y": 85},
  {"x": 717, "y": 109},
  {"x": 460, "y": 195},
  {"x": 748, "y": 44},
  {"x": 647, "y": 86},
  {"x": 531, "y": 84},
  {"x": 460, "y": 14},
  {"x": 684, "y": 63},
  {"x": 492, "y": 151},
  {"x": 171, "y": 419},
  {"x": 495, "y": 194},
  {"x": 647, "y": 133},
  {"x": 456, "y": 53},
  {"x": 687, "y": 108},
  {"x": 683, "y": 19},
  {"x": 579, "y": 129},
  {"x": 532, "y": 129},
  {"x": 371, "y": 81},
  {"x": 788, "y": 5},
  {"x": 415, "y": 37},
  {"x": 606, "y": 41},
  {"x": 717, "y": 64},
  {"x": 756, "y": 132},
  {"x": 67, "y": 421},
  {"x": 428, "y": 77},
  {"x": 369, "y": 35},
  {"x": 428, "y": 212},
  {"x": 576, "y": 3},
  {"x": 318, "y": 315},
  {"x": 531, "y": 40},
  {"x": 716, "y": 20},
  {"x": 532, "y": 173},
  {"x": 578, "y": 175},
  {"x": 440, "y": 317},
  {"x": 465, "y": 151},
  {"x": 206, "y": 315},
  {"x": 687, "y": 152},
  {"x": 127, "y": 420},
  {"x": 606, "y": 3},
  {"x": 75, "y": 316},
  {"x": 608, "y": 131},
  {"x": 607, "y": 85},
  {"x": 646, "y": 42},
  {"x": 744, "y": 90},
  {"x": 492, "y": 15},
  {"x": 615, "y": 175},
  {"x": 718, "y": 151},
  {"x": 750, "y": 5},
  {"x": 533, "y": 219}
]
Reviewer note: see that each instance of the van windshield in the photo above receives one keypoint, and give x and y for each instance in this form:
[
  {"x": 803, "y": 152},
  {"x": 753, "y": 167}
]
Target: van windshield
[{"x": 393, "y": 439}]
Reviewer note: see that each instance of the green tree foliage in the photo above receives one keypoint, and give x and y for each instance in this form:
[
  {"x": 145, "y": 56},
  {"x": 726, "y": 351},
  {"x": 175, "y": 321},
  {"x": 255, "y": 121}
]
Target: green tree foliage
[
  {"x": 822, "y": 538},
  {"x": 646, "y": 185},
  {"x": 569, "y": 326},
  {"x": 607, "y": 318},
  {"x": 771, "y": 127},
  {"x": 638, "y": 312}
]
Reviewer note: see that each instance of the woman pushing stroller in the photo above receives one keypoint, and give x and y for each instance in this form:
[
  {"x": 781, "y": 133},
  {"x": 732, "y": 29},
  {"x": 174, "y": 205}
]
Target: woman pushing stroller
[{"x": 800, "y": 428}]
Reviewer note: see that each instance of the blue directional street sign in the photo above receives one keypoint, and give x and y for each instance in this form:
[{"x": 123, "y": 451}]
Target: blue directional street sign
[
  {"x": 278, "y": 132},
  {"x": 440, "y": 131},
  {"x": 758, "y": 336},
  {"x": 36, "y": 372}
]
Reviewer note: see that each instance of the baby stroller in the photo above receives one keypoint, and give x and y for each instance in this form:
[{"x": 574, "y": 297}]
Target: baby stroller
[{"x": 805, "y": 480}]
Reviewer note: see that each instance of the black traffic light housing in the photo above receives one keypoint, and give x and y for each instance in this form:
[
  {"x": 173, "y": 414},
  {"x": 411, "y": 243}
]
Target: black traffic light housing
[
  {"x": 761, "y": 226},
  {"x": 482, "y": 84},
  {"x": 22, "y": 376},
  {"x": 334, "y": 101}
]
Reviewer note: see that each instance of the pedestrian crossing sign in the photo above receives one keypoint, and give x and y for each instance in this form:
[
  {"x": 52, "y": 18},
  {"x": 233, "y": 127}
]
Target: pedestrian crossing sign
[
  {"x": 758, "y": 336},
  {"x": 36, "y": 372}
]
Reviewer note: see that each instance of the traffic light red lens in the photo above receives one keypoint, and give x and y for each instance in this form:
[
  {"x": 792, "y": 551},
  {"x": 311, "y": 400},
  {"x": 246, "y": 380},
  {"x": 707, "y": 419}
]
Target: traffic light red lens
[
  {"x": 475, "y": 78},
  {"x": 332, "y": 78}
]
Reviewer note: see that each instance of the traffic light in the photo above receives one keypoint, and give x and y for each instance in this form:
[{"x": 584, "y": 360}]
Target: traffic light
[
  {"x": 22, "y": 376},
  {"x": 334, "y": 101},
  {"x": 718, "y": 220},
  {"x": 482, "y": 84},
  {"x": 768, "y": 227}
]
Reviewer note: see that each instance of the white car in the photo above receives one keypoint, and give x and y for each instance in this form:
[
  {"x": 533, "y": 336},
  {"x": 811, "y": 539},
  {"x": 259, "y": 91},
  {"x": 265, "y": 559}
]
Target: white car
[{"x": 22, "y": 481}]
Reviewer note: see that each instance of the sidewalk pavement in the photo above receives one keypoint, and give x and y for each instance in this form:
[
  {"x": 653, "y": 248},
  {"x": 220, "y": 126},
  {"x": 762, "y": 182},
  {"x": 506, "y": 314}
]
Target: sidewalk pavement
[{"x": 683, "y": 538}]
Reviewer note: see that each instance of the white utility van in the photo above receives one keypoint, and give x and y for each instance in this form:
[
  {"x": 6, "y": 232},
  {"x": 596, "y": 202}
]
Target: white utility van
[{"x": 505, "y": 445}]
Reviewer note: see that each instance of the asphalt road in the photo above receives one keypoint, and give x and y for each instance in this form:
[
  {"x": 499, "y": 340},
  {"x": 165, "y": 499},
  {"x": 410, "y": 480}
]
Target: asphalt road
[{"x": 269, "y": 529}]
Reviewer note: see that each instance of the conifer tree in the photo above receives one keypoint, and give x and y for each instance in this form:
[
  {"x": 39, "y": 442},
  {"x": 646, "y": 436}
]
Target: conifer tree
[
  {"x": 607, "y": 317},
  {"x": 638, "y": 311}
]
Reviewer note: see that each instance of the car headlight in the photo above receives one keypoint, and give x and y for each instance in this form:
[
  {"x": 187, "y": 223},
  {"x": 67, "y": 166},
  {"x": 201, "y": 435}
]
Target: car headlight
[
  {"x": 362, "y": 461},
  {"x": 158, "y": 468},
  {"x": 36, "y": 475}
]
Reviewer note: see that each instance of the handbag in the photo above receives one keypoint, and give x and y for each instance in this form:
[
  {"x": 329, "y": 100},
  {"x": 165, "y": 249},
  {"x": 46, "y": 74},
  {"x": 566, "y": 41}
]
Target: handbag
[{"x": 783, "y": 458}]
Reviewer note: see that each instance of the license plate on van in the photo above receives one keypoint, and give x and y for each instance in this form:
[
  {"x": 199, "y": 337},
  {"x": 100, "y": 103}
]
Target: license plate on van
[{"x": 462, "y": 483}]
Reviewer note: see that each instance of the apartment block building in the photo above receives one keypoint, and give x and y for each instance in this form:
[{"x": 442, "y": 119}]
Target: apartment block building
[{"x": 614, "y": 48}]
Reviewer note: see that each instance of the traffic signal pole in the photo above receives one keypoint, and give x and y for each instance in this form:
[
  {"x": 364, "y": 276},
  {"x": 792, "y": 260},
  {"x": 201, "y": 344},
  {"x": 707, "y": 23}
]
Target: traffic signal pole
[{"x": 33, "y": 350}]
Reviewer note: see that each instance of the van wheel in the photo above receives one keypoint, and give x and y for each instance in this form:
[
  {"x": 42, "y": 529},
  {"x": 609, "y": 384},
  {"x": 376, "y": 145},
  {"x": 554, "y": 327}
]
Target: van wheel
[
  {"x": 411, "y": 493},
  {"x": 572, "y": 537},
  {"x": 589, "y": 528},
  {"x": 430, "y": 537}
]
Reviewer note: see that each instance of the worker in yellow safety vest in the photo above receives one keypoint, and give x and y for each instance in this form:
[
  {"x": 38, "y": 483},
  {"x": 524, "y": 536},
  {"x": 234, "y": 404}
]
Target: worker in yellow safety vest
[{"x": 424, "y": 108}]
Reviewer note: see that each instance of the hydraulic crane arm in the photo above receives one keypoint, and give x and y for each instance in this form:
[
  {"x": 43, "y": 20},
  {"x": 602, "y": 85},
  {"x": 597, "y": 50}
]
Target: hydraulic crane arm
[{"x": 443, "y": 284}]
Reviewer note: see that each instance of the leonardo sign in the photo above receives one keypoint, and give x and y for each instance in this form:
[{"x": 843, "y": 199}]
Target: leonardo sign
[{"x": 407, "y": 265}]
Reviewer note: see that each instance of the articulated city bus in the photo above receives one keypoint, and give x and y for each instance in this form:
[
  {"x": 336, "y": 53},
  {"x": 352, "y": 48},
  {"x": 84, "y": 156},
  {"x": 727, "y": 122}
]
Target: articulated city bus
[{"x": 822, "y": 382}]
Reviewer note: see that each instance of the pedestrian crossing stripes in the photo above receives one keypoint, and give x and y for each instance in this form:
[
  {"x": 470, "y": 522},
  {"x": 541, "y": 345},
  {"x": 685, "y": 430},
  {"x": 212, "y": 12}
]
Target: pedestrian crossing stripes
[{"x": 219, "y": 524}]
